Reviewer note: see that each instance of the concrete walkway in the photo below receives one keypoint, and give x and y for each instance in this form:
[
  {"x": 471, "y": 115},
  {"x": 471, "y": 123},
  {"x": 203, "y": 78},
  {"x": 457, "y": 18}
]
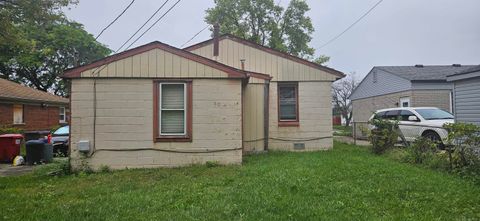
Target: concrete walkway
[
  {"x": 9, "y": 170},
  {"x": 349, "y": 140}
]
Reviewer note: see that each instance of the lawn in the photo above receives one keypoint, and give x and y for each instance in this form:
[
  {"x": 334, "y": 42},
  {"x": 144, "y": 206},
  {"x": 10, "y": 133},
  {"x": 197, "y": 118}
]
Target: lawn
[
  {"x": 339, "y": 130},
  {"x": 346, "y": 183}
]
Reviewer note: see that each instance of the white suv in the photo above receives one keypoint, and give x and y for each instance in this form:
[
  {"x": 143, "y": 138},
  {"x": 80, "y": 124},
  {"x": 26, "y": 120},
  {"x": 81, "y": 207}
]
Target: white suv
[{"x": 418, "y": 121}]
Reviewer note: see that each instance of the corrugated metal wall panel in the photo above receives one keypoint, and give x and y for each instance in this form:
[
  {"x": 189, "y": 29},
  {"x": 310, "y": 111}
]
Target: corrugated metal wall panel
[{"x": 467, "y": 101}]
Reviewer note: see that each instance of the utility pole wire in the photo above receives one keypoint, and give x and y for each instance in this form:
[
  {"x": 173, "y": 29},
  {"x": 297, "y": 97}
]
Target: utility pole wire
[
  {"x": 203, "y": 29},
  {"x": 145, "y": 23},
  {"x": 114, "y": 20},
  {"x": 349, "y": 27},
  {"x": 151, "y": 26}
]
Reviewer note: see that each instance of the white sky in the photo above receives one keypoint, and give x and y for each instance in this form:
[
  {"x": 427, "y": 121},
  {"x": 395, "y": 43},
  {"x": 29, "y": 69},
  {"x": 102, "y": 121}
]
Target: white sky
[{"x": 397, "y": 32}]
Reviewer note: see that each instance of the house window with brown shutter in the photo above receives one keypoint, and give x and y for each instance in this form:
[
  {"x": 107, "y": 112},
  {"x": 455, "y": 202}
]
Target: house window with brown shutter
[
  {"x": 288, "y": 104},
  {"x": 172, "y": 111}
]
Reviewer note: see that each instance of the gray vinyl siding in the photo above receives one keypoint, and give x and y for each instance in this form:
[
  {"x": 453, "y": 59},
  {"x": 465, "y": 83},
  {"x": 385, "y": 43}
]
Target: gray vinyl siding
[
  {"x": 385, "y": 83},
  {"x": 467, "y": 100}
]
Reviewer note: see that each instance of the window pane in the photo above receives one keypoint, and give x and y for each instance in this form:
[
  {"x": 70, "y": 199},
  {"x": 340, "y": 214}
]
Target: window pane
[
  {"x": 172, "y": 122},
  {"x": 404, "y": 114},
  {"x": 17, "y": 114},
  {"x": 288, "y": 103},
  {"x": 172, "y": 96}
]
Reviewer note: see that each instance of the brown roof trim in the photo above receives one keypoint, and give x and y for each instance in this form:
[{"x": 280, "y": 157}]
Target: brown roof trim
[
  {"x": 269, "y": 50},
  {"x": 232, "y": 72}
]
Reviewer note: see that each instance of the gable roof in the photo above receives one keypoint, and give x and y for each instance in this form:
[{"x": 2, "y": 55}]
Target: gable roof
[
  {"x": 424, "y": 73},
  {"x": 231, "y": 71},
  {"x": 268, "y": 50},
  {"x": 15, "y": 92}
]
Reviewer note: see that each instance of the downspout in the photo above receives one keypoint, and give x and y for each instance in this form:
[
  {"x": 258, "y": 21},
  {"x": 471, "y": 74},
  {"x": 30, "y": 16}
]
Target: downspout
[{"x": 266, "y": 116}]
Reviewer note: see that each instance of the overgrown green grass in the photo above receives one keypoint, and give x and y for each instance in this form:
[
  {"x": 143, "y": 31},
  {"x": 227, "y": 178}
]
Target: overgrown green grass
[
  {"x": 346, "y": 183},
  {"x": 339, "y": 130}
]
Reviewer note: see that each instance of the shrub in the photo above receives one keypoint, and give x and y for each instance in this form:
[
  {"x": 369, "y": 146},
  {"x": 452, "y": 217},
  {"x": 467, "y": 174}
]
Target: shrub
[
  {"x": 463, "y": 146},
  {"x": 10, "y": 130},
  {"x": 104, "y": 169},
  {"x": 383, "y": 136},
  {"x": 421, "y": 151}
]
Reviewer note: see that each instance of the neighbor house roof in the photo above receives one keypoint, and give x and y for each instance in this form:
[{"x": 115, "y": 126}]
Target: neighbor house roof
[
  {"x": 268, "y": 50},
  {"x": 465, "y": 74},
  {"x": 231, "y": 71},
  {"x": 12, "y": 91},
  {"x": 424, "y": 73}
]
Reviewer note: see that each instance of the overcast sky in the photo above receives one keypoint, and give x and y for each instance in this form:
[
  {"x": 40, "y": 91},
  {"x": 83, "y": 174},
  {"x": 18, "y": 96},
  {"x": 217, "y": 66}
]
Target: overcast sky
[{"x": 397, "y": 32}]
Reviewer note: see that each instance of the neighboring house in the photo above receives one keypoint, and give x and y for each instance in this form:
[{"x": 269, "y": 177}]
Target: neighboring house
[
  {"x": 30, "y": 109},
  {"x": 404, "y": 86},
  {"x": 466, "y": 95},
  {"x": 157, "y": 105}
]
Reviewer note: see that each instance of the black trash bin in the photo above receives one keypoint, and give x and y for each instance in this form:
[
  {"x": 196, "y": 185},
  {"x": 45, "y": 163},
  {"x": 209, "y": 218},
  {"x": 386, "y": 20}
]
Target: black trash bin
[
  {"x": 47, "y": 153},
  {"x": 34, "y": 150}
]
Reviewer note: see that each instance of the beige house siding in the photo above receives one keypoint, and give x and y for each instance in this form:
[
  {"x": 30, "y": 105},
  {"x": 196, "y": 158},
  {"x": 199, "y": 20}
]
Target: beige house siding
[
  {"x": 315, "y": 116},
  {"x": 364, "y": 108},
  {"x": 253, "y": 118},
  {"x": 155, "y": 63},
  {"x": 256, "y": 60},
  {"x": 432, "y": 98},
  {"x": 125, "y": 121}
]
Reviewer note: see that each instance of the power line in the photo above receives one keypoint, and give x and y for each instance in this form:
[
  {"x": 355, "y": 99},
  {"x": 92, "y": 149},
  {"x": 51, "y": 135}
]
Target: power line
[
  {"x": 114, "y": 20},
  {"x": 93, "y": 72},
  {"x": 148, "y": 20},
  {"x": 203, "y": 29},
  {"x": 151, "y": 26},
  {"x": 349, "y": 27}
]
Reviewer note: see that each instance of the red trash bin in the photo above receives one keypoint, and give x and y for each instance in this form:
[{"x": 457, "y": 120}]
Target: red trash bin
[{"x": 10, "y": 146}]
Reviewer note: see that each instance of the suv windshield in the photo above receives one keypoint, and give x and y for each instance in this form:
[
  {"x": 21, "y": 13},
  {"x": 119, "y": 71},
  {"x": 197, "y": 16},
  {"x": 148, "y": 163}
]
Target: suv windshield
[
  {"x": 61, "y": 131},
  {"x": 434, "y": 114}
]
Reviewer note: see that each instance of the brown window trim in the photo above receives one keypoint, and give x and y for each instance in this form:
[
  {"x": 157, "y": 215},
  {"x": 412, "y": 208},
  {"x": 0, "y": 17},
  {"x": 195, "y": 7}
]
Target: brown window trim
[
  {"x": 156, "y": 129},
  {"x": 288, "y": 123}
]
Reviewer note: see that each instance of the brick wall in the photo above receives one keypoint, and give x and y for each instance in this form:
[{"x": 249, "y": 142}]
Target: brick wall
[
  {"x": 35, "y": 117},
  {"x": 6, "y": 114}
]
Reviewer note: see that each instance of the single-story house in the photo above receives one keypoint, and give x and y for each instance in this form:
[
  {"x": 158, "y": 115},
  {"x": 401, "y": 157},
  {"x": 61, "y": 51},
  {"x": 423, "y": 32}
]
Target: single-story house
[
  {"x": 404, "y": 86},
  {"x": 466, "y": 95},
  {"x": 161, "y": 106},
  {"x": 30, "y": 109}
]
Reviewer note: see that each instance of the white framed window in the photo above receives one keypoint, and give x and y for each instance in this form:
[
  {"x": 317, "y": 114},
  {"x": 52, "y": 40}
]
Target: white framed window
[
  {"x": 405, "y": 102},
  {"x": 172, "y": 109},
  {"x": 62, "y": 115},
  {"x": 18, "y": 114}
]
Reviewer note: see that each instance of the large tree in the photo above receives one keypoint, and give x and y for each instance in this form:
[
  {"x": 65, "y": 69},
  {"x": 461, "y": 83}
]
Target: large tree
[
  {"x": 341, "y": 91},
  {"x": 38, "y": 43},
  {"x": 266, "y": 23}
]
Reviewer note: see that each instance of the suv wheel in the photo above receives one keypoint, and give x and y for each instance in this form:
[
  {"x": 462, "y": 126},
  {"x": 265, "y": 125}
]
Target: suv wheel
[{"x": 433, "y": 136}]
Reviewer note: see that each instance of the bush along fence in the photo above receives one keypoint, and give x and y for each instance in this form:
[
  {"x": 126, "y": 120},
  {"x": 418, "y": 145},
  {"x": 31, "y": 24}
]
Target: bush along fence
[{"x": 459, "y": 152}]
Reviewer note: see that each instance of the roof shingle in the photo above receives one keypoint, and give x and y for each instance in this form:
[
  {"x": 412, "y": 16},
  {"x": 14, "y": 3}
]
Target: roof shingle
[
  {"x": 12, "y": 91},
  {"x": 425, "y": 73}
]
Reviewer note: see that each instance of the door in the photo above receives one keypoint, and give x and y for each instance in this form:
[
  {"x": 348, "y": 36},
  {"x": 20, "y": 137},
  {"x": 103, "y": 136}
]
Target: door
[
  {"x": 405, "y": 102},
  {"x": 409, "y": 129}
]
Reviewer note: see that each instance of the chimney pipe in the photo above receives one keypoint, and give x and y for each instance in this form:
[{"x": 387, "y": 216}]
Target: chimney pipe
[
  {"x": 243, "y": 64},
  {"x": 216, "y": 31}
]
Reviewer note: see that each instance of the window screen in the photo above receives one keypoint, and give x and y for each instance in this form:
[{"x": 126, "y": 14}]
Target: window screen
[
  {"x": 172, "y": 109},
  {"x": 288, "y": 102}
]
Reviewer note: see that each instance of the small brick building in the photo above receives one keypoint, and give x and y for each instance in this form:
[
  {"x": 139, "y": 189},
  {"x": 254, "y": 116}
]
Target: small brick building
[{"x": 30, "y": 109}]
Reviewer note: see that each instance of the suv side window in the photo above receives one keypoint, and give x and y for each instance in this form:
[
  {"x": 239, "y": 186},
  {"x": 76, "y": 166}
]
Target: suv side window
[
  {"x": 391, "y": 115},
  {"x": 404, "y": 114},
  {"x": 379, "y": 115}
]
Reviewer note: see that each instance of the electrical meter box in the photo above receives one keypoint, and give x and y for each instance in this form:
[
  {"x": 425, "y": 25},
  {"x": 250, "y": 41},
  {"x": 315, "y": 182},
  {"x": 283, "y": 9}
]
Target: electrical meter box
[{"x": 83, "y": 146}]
